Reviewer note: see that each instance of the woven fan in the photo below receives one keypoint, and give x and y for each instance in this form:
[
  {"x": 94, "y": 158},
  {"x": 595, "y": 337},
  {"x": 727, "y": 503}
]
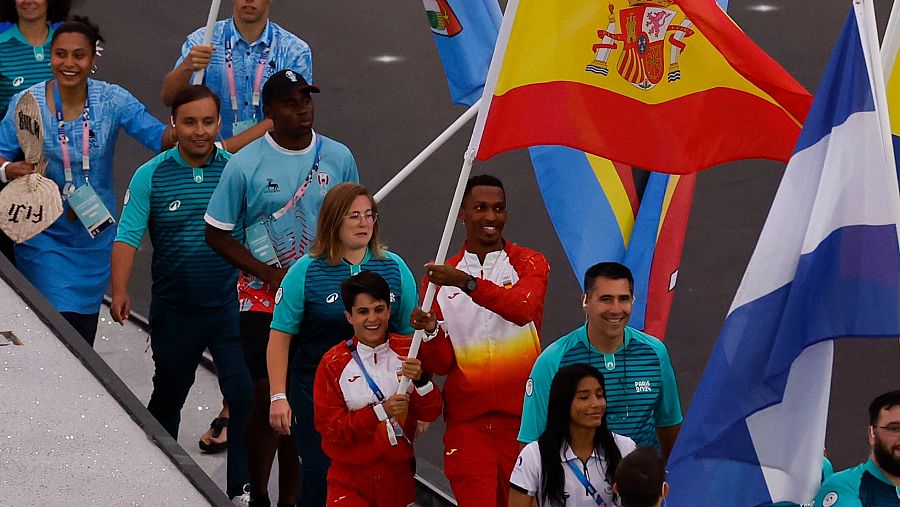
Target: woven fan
[
  {"x": 30, "y": 131},
  {"x": 29, "y": 204}
]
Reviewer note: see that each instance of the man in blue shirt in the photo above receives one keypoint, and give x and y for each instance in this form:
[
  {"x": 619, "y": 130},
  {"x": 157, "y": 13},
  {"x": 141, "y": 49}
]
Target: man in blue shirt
[
  {"x": 246, "y": 50},
  {"x": 272, "y": 191},
  {"x": 875, "y": 483},
  {"x": 194, "y": 303}
]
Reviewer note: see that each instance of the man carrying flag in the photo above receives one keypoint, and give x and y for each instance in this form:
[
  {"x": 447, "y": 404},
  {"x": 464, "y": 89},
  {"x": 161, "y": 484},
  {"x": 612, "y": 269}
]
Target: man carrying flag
[
  {"x": 491, "y": 304},
  {"x": 826, "y": 266},
  {"x": 637, "y": 220}
]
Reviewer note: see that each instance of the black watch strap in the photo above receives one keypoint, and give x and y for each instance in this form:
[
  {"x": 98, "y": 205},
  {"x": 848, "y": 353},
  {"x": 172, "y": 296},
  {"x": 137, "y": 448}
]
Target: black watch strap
[{"x": 423, "y": 380}]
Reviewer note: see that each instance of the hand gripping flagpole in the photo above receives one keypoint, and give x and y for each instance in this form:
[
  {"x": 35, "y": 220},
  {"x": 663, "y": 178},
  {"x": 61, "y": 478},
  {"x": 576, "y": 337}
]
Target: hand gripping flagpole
[
  {"x": 426, "y": 153},
  {"x": 441, "y": 255},
  {"x": 482, "y": 106},
  {"x": 207, "y": 35}
]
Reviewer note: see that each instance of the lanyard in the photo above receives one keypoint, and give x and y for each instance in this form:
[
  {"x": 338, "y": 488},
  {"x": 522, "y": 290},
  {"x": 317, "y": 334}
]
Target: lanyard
[
  {"x": 398, "y": 430},
  {"x": 303, "y": 186},
  {"x": 257, "y": 79},
  {"x": 69, "y": 188},
  {"x": 591, "y": 490},
  {"x": 369, "y": 380}
]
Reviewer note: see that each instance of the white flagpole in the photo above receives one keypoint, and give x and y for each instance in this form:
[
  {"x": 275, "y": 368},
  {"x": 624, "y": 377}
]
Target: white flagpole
[
  {"x": 427, "y": 152},
  {"x": 475, "y": 141},
  {"x": 865, "y": 17},
  {"x": 207, "y": 35},
  {"x": 891, "y": 43},
  {"x": 879, "y": 68}
]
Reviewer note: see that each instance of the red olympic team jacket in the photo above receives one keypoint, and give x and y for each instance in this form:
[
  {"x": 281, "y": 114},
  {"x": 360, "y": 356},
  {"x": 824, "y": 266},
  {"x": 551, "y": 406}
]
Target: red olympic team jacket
[
  {"x": 348, "y": 415},
  {"x": 490, "y": 338}
]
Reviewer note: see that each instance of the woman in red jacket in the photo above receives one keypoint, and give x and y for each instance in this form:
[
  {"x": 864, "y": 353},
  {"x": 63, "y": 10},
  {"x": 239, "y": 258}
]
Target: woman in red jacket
[{"x": 367, "y": 429}]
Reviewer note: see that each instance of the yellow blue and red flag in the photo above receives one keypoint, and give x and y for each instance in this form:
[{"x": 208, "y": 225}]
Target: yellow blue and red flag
[
  {"x": 666, "y": 85},
  {"x": 605, "y": 211}
]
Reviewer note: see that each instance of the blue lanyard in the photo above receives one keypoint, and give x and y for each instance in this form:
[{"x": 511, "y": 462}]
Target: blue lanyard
[
  {"x": 69, "y": 188},
  {"x": 260, "y": 70},
  {"x": 591, "y": 490},
  {"x": 398, "y": 430},
  {"x": 372, "y": 385}
]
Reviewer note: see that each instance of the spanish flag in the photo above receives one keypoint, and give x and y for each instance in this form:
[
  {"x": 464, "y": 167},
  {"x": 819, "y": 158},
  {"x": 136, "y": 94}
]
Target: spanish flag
[{"x": 666, "y": 85}]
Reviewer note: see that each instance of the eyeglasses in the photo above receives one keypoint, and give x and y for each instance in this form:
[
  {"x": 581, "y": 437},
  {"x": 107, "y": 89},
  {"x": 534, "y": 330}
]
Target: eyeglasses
[
  {"x": 893, "y": 429},
  {"x": 368, "y": 216}
]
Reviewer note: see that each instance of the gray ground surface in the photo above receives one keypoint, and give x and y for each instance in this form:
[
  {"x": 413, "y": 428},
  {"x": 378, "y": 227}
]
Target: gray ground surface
[
  {"x": 124, "y": 348},
  {"x": 63, "y": 439},
  {"x": 386, "y": 112}
]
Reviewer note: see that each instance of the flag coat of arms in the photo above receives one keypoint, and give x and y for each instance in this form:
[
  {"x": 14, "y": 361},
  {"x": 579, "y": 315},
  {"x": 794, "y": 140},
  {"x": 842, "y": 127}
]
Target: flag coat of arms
[
  {"x": 665, "y": 85},
  {"x": 441, "y": 17},
  {"x": 465, "y": 32},
  {"x": 826, "y": 266}
]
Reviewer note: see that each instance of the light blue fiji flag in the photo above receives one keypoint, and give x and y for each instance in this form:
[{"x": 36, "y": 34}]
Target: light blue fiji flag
[
  {"x": 826, "y": 266},
  {"x": 465, "y": 32}
]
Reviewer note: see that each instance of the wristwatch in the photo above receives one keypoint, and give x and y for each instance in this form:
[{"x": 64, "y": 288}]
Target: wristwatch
[
  {"x": 470, "y": 285},
  {"x": 423, "y": 380}
]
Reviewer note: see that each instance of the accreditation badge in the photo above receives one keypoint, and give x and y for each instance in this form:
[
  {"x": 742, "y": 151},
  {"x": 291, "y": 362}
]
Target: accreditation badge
[
  {"x": 260, "y": 245},
  {"x": 90, "y": 210},
  {"x": 240, "y": 126}
]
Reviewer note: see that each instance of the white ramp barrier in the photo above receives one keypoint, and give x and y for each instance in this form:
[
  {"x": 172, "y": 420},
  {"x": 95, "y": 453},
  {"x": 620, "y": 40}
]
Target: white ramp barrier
[{"x": 71, "y": 432}]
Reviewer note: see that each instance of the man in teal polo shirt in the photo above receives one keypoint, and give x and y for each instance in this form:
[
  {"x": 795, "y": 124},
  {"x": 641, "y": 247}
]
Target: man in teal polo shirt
[
  {"x": 875, "y": 483},
  {"x": 194, "y": 303},
  {"x": 641, "y": 393}
]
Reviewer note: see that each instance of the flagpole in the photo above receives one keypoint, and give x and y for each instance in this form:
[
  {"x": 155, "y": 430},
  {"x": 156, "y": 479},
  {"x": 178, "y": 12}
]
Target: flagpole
[
  {"x": 865, "y": 16},
  {"x": 441, "y": 255},
  {"x": 207, "y": 35},
  {"x": 474, "y": 142},
  {"x": 891, "y": 42},
  {"x": 427, "y": 152},
  {"x": 866, "y": 11}
]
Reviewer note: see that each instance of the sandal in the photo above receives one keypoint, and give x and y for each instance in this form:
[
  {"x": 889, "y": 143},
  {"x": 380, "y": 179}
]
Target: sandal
[{"x": 217, "y": 425}]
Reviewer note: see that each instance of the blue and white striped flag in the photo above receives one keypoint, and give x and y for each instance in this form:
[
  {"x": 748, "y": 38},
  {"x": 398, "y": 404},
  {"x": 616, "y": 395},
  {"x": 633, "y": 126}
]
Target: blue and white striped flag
[{"x": 827, "y": 266}]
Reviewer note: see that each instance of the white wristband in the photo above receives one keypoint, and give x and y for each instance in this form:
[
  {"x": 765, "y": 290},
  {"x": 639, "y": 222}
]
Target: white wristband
[
  {"x": 3, "y": 178},
  {"x": 278, "y": 396}
]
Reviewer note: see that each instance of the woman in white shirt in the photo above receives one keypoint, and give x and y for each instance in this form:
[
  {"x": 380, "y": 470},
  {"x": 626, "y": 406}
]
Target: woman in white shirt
[{"x": 574, "y": 461}]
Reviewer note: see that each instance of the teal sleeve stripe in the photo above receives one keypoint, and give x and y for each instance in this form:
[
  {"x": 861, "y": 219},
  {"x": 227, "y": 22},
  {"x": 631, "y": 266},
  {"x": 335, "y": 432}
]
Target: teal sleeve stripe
[
  {"x": 409, "y": 296},
  {"x": 290, "y": 307},
  {"x": 136, "y": 211}
]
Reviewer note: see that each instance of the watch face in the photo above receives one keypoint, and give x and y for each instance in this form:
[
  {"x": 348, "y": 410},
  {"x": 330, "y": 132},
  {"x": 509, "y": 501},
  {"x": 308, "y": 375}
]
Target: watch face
[{"x": 471, "y": 283}]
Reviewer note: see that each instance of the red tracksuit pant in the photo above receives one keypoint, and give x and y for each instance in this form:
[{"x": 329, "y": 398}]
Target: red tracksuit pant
[
  {"x": 371, "y": 485},
  {"x": 479, "y": 458}
]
